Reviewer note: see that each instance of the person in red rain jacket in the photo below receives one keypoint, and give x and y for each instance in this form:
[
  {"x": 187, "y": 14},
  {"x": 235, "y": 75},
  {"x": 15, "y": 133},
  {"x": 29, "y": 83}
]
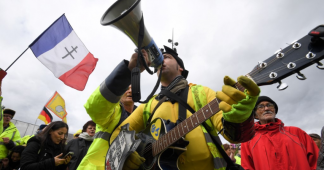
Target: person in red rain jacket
[{"x": 276, "y": 146}]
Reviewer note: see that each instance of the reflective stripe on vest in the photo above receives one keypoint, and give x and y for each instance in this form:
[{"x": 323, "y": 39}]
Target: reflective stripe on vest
[
  {"x": 200, "y": 100},
  {"x": 13, "y": 135},
  {"x": 102, "y": 135},
  {"x": 219, "y": 162}
]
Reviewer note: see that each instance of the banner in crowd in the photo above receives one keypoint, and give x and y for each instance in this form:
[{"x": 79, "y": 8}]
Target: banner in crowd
[
  {"x": 61, "y": 51},
  {"x": 57, "y": 106}
]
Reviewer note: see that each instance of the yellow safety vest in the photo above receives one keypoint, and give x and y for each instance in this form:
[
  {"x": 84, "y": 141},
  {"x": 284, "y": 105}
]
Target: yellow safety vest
[
  {"x": 96, "y": 155},
  {"x": 13, "y": 134},
  {"x": 24, "y": 140}
]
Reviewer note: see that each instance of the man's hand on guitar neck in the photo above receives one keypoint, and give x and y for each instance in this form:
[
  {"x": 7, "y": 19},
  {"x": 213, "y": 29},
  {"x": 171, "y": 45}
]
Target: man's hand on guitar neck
[
  {"x": 134, "y": 161},
  {"x": 236, "y": 105}
]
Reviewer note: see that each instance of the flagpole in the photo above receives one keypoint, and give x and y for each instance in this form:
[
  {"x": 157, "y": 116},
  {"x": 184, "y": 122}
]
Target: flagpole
[
  {"x": 33, "y": 43},
  {"x": 26, "y": 129},
  {"x": 17, "y": 58},
  {"x": 42, "y": 110},
  {"x": 34, "y": 125}
]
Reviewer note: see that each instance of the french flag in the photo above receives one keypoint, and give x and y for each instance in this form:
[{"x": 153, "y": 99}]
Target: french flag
[{"x": 61, "y": 51}]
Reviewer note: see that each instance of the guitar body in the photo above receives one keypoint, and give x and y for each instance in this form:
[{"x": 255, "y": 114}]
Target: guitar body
[{"x": 166, "y": 160}]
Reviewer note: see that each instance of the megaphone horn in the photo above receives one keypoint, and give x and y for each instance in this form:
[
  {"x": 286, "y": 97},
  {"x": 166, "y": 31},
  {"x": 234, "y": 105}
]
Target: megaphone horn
[{"x": 126, "y": 16}]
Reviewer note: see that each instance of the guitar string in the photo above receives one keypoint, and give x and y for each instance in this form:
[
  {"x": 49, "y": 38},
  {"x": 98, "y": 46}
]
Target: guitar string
[
  {"x": 269, "y": 63},
  {"x": 265, "y": 75},
  {"x": 274, "y": 58}
]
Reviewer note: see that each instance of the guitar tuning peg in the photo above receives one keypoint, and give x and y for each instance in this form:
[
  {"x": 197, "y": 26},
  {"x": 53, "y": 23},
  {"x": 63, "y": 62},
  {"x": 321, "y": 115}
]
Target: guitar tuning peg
[
  {"x": 282, "y": 86},
  {"x": 320, "y": 65},
  {"x": 300, "y": 76}
]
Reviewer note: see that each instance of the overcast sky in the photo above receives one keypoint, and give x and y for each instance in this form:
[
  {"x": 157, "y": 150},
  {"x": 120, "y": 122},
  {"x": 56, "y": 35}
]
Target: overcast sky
[{"x": 216, "y": 38}]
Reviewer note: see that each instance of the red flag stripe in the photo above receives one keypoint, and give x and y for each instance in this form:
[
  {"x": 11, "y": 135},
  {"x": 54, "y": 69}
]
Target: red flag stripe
[
  {"x": 78, "y": 76},
  {"x": 46, "y": 115}
]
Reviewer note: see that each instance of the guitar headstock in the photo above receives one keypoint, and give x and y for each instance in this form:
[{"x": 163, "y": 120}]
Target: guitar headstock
[{"x": 292, "y": 59}]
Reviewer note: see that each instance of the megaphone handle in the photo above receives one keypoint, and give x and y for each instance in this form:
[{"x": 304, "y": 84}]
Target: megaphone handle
[
  {"x": 144, "y": 64},
  {"x": 135, "y": 80},
  {"x": 154, "y": 90},
  {"x": 136, "y": 72},
  {"x": 136, "y": 90}
]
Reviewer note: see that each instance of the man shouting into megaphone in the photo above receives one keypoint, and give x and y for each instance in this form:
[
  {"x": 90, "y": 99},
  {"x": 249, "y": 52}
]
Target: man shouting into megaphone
[{"x": 177, "y": 101}]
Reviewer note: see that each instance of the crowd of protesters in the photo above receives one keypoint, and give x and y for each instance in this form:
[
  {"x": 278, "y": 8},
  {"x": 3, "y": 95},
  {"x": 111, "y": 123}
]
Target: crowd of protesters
[{"x": 272, "y": 145}]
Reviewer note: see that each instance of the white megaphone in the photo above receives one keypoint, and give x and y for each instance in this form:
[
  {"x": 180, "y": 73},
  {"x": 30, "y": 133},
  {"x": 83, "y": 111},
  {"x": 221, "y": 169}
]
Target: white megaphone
[{"x": 127, "y": 16}]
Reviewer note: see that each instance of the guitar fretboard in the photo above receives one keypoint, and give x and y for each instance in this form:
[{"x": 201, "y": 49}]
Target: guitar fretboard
[{"x": 188, "y": 125}]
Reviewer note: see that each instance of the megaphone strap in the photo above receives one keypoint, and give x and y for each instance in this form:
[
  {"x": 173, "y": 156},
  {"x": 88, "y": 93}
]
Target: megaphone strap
[
  {"x": 141, "y": 35},
  {"x": 136, "y": 72},
  {"x": 136, "y": 90}
]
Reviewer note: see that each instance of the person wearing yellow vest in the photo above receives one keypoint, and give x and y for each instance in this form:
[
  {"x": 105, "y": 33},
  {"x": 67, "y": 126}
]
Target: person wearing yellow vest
[
  {"x": 234, "y": 121},
  {"x": 107, "y": 106},
  {"x": 10, "y": 137},
  {"x": 238, "y": 155},
  {"x": 24, "y": 140}
]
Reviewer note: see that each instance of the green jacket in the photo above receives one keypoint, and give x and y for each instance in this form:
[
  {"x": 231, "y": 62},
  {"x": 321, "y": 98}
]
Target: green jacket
[
  {"x": 24, "y": 140},
  {"x": 104, "y": 109},
  {"x": 106, "y": 120},
  {"x": 238, "y": 160},
  {"x": 13, "y": 134}
]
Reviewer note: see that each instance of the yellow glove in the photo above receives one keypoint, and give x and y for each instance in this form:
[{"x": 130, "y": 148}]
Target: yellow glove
[
  {"x": 237, "y": 106},
  {"x": 134, "y": 161}
]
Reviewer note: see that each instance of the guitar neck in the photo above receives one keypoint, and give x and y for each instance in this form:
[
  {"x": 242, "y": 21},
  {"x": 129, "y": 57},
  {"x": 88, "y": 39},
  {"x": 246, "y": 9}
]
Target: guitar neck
[{"x": 188, "y": 125}]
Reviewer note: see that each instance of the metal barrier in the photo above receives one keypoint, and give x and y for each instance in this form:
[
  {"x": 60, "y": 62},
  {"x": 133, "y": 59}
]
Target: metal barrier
[
  {"x": 25, "y": 128},
  {"x": 30, "y": 129}
]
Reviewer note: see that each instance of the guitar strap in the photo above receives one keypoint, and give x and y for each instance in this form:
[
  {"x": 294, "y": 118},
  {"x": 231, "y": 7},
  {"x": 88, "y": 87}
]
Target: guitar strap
[{"x": 183, "y": 106}]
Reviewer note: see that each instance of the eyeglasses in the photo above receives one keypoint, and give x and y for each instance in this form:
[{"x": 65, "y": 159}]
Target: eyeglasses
[
  {"x": 269, "y": 105},
  {"x": 7, "y": 116}
]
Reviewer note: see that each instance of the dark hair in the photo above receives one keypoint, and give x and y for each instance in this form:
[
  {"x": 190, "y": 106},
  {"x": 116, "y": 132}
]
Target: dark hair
[
  {"x": 174, "y": 54},
  {"x": 89, "y": 123},
  {"x": 17, "y": 149},
  {"x": 44, "y": 136},
  {"x": 315, "y": 136},
  {"x": 226, "y": 146}
]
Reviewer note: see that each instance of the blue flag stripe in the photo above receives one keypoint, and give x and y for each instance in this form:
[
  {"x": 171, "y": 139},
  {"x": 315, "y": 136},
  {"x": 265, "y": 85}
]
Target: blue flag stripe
[{"x": 53, "y": 35}]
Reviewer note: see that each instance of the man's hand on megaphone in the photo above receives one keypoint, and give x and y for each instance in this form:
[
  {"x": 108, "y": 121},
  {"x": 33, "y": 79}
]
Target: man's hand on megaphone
[{"x": 133, "y": 61}]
